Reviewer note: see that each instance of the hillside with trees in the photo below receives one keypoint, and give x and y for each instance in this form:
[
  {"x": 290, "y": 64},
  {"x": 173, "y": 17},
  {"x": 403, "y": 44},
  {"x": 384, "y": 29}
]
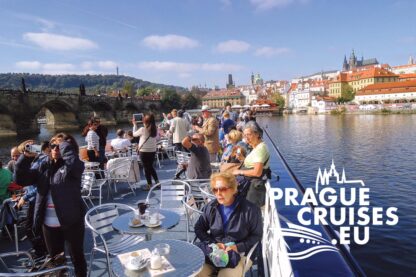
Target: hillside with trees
[{"x": 94, "y": 84}]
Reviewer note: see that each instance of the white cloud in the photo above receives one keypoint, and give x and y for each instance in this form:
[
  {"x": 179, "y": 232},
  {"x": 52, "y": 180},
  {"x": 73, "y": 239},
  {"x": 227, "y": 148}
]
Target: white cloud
[
  {"x": 262, "y": 5},
  {"x": 168, "y": 66},
  {"x": 169, "y": 42},
  {"x": 29, "y": 65},
  {"x": 59, "y": 42},
  {"x": 58, "y": 68},
  {"x": 232, "y": 46},
  {"x": 271, "y": 51},
  {"x": 187, "y": 67},
  {"x": 225, "y": 3},
  {"x": 100, "y": 67},
  {"x": 184, "y": 75},
  {"x": 107, "y": 65}
]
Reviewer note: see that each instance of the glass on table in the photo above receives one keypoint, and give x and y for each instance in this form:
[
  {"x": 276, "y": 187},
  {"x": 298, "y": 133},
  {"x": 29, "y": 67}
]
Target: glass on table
[{"x": 163, "y": 249}]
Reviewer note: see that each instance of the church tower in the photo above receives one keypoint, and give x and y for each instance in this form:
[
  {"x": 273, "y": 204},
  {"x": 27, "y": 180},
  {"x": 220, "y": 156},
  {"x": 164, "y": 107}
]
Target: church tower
[
  {"x": 411, "y": 61},
  {"x": 345, "y": 64},
  {"x": 353, "y": 60}
]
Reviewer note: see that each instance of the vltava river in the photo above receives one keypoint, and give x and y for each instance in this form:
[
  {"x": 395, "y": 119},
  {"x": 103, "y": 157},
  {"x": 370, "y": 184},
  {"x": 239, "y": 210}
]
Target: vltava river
[{"x": 378, "y": 149}]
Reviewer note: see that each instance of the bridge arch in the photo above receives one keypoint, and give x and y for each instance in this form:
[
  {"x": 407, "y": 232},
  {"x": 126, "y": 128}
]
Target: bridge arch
[
  {"x": 59, "y": 115},
  {"x": 103, "y": 110}
]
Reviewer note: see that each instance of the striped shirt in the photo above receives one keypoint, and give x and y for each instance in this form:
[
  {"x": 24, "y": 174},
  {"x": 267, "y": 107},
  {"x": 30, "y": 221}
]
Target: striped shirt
[
  {"x": 51, "y": 219},
  {"x": 93, "y": 140}
]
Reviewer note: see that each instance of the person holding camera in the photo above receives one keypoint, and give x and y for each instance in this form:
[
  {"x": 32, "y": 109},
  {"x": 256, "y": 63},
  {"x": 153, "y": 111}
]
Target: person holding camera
[
  {"x": 199, "y": 166},
  {"x": 59, "y": 209}
]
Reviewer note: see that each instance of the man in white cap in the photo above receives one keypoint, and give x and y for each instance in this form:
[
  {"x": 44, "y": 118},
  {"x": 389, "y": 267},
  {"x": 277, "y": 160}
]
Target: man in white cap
[{"x": 210, "y": 131}]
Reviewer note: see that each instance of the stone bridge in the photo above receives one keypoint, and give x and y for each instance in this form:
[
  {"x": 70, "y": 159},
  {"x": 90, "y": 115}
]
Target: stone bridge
[{"x": 19, "y": 111}]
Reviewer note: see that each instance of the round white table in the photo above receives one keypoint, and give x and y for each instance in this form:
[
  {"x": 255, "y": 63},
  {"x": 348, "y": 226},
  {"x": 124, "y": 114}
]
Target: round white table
[
  {"x": 170, "y": 219},
  {"x": 186, "y": 258}
]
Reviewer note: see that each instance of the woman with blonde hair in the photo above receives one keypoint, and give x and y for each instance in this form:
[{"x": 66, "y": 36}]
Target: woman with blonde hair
[
  {"x": 233, "y": 138},
  {"x": 231, "y": 222}
]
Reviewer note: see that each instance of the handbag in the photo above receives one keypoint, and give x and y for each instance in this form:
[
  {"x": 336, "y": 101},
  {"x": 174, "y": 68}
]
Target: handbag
[{"x": 230, "y": 167}]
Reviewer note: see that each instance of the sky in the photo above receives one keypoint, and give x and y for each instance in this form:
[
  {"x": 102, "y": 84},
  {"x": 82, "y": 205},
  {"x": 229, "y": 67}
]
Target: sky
[{"x": 200, "y": 42}]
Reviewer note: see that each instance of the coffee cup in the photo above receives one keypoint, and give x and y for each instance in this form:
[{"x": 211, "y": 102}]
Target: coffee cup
[{"x": 153, "y": 220}]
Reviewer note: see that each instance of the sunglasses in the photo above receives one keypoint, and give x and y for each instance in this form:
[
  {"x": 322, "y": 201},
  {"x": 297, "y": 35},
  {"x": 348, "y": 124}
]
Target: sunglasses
[
  {"x": 53, "y": 146},
  {"x": 220, "y": 189}
]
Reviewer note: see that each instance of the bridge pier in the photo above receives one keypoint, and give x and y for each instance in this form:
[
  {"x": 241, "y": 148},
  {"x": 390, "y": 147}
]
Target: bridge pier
[
  {"x": 61, "y": 121},
  {"x": 7, "y": 126}
]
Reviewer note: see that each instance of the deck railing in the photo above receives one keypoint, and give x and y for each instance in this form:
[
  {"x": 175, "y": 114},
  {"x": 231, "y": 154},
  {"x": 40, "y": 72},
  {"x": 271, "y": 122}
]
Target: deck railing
[{"x": 275, "y": 258}]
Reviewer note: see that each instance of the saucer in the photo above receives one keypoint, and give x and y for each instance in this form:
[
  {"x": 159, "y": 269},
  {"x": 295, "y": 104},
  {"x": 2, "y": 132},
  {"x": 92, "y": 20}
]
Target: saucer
[
  {"x": 153, "y": 225},
  {"x": 137, "y": 266},
  {"x": 137, "y": 225}
]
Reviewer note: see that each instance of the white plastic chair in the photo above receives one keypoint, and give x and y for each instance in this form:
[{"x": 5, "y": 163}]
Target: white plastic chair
[
  {"x": 120, "y": 170},
  {"x": 99, "y": 220}
]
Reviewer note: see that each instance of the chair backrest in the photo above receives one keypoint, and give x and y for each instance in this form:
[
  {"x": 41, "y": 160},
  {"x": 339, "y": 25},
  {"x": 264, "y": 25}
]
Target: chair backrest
[
  {"x": 87, "y": 182},
  {"x": 195, "y": 186},
  {"x": 171, "y": 193},
  {"x": 119, "y": 168},
  {"x": 99, "y": 219},
  {"x": 182, "y": 157},
  {"x": 192, "y": 210},
  {"x": 206, "y": 193}
]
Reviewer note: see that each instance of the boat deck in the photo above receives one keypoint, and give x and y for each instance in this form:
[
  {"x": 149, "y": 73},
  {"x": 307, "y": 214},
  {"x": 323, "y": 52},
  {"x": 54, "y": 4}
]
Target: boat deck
[{"x": 125, "y": 196}]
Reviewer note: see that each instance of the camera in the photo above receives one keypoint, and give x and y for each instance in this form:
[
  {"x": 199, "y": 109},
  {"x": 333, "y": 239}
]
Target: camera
[
  {"x": 138, "y": 117},
  {"x": 33, "y": 148}
]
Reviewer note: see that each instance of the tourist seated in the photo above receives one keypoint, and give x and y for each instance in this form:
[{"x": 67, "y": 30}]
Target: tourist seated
[
  {"x": 120, "y": 143},
  {"x": 255, "y": 171},
  {"x": 14, "y": 155},
  {"x": 232, "y": 139},
  {"x": 6, "y": 178},
  {"x": 231, "y": 222},
  {"x": 199, "y": 166}
]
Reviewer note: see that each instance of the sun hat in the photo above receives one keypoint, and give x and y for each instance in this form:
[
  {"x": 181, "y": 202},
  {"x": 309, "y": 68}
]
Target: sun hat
[{"x": 204, "y": 108}]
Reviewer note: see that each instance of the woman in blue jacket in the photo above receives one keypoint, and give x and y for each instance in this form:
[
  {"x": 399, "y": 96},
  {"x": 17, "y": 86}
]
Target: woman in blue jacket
[
  {"x": 59, "y": 209},
  {"x": 234, "y": 223}
]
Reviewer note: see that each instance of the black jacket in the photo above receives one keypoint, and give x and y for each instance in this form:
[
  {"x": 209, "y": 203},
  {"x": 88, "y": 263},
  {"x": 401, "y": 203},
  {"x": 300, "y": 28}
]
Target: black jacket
[
  {"x": 62, "y": 178},
  {"x": 245, "y": 226}
]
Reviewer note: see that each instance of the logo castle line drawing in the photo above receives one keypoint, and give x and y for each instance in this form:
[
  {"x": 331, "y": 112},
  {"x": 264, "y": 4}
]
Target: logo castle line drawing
[
  {"x": 323, "y": 178},
  {"x": 312, "y": 241}
]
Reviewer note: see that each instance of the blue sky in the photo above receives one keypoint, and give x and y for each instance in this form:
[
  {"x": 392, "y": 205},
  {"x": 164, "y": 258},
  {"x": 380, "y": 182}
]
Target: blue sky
[{"x": 198, "y": 42}]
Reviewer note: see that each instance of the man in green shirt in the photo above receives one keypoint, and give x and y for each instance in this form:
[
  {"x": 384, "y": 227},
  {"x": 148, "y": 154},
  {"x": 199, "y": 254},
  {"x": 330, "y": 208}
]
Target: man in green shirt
[{"x": 6, "y": 178}]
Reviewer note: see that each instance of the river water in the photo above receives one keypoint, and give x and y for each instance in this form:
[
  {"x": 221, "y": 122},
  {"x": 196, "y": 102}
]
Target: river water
[{"x": 378, "y": 149}]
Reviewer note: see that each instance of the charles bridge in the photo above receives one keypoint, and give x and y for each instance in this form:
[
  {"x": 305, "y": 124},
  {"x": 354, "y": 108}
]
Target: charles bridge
[{"x": 19, "y": 110}]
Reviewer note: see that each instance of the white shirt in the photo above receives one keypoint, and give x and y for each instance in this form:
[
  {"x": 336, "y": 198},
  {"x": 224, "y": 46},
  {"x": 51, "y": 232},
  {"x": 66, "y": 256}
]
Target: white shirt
[
  {"x": 120, "y": 143},
  {"x": 145, "y": 145}
]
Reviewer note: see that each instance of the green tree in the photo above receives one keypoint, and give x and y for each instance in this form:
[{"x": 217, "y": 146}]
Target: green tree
[
  {"x": 190, "y": 101},
  {"x": 347, "y": 95},
  {"x": 170, "y": 99},
  {"x": 128, "y": 88},
  {"x": 145, "y": 91},
  {"x": 278, "y": 99}
]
